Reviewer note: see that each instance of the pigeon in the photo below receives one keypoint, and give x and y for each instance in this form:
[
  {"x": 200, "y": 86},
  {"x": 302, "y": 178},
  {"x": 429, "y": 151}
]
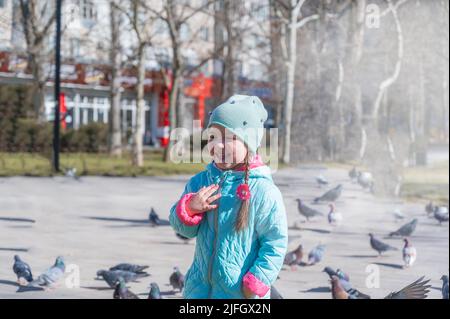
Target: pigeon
[
  {"x": 52, "y": 275},
  {"x": 353, "y": 173},
  {"x": 183, "y": 238},
  {"x": 444, "y": 287},
  {"x": 22, "y": 271},
  {"x": 406, "y": 230},
  {"x": 137, "y": 269},
  {"x": 154, "y": 218},
  {"x": 429, "y": 208},
  {"x": 274, "y": 294},
  {"x": 316, "y": 255},
  {"x": 334, "y": 218},
  {"x": 122, "y": 292},
  {"x": 321, "y": 180},
  {"x": 111, "y": 277},
  {"x": 416, "y": 290},
  {"x": 337, "y": 291},
  {"x": 177, "y": 279},
  {"x": 344, "y": 281},
  {"x": 409, "y": 254},
  {"x": 365, "y": 180},
  {"x": 307, "y": 211},
  {"x": 441, "y": 214},
  {"x": 379, "y": 246},
  {"x": 398, "y": 215},
  {"x": 331, "y": 196},
  {"x": 154, "y": 293},
  {"x": 294, "y": 257},
  {"x": 72, "y": 173}
]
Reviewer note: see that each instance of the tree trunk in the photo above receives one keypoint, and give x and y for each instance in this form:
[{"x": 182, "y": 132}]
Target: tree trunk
[
  {"x": 290, "y": 86},
  {"x": 115, "y": 135},
  {"x": 138, "y": 136},
  {"x": 358, "y": 17}
]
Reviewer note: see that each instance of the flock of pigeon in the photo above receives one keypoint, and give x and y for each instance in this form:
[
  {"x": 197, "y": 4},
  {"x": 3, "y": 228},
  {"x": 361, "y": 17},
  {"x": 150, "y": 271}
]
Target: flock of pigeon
[
  {"x": 117, "y": 277},
  {"x": 340, "y": 282}
]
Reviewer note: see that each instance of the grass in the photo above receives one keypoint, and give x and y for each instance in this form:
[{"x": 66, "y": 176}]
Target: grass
[
  {"x": 420, "y": 184},
  {"x": 427, "y": 183},
  {"x": 25, "y": 164}
]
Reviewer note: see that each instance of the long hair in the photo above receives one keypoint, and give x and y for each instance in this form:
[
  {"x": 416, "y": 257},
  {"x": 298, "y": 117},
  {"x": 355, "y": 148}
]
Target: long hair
[{"x": 242, "y": 218}]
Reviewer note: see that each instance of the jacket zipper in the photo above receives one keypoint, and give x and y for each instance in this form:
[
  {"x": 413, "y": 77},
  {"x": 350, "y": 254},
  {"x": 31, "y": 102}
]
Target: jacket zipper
[{"x": 216, "y": 230}]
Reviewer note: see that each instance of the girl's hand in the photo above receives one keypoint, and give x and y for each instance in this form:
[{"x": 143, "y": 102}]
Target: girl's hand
[
  {"x": 247, "y": 293},
  {"x": 202, "y": 200}
]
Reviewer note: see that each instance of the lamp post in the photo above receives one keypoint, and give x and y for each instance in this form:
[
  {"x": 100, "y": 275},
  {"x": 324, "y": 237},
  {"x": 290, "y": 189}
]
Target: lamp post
[{"x": 56, "y": 127}]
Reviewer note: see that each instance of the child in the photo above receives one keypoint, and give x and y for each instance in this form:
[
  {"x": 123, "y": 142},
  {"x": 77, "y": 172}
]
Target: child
[{"x": 234, "y": 209}]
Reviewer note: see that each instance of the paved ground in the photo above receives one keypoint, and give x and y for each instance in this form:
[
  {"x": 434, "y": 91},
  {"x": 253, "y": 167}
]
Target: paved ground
[{"x": 98, "y": 222}]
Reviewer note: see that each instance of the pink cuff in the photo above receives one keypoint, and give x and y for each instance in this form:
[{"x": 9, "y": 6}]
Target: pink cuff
[
  {"x": 255, "y": 285},
  {"x": 183, "y": 212}
]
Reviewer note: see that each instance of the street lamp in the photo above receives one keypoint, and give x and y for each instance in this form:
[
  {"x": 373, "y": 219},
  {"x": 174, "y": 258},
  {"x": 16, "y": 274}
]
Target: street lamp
[{"x": 57, "y": 120}]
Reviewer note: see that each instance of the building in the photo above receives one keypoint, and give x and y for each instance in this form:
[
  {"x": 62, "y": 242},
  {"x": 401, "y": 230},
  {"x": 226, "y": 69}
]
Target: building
[
  {"x": 5, "y": 24},
  {"x": 85, "y": 73}
]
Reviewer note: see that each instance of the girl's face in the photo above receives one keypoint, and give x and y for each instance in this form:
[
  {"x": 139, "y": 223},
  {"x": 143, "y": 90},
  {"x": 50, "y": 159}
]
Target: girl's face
[{"x": 226, "y": 149}]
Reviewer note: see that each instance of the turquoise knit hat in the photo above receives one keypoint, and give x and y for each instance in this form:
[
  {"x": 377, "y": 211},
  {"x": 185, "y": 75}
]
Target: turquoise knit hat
[{"x": 244, "y": 116}]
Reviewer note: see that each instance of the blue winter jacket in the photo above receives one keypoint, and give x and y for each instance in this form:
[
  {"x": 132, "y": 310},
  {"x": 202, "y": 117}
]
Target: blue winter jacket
[{"x": 225, "y": 260}]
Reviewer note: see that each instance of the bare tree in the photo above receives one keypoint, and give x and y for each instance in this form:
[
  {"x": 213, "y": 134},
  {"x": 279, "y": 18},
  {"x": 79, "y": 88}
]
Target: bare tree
[
  {"x": 37, "y": 20},
  {"x": 115, "y": 135},
  {"x": 177, "y": 15},
  {"x": 142, "y": 27}
]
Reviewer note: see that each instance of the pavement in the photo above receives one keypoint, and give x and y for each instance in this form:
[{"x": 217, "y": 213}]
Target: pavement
[{"x": 97, "y": 222}]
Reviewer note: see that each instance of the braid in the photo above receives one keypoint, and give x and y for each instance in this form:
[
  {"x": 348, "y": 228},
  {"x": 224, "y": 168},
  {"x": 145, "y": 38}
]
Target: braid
[{"x": 242, "y": 218}]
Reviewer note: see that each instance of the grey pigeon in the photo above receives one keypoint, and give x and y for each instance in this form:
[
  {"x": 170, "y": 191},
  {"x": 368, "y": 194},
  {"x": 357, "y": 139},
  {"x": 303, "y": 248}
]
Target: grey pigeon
[
  {"x": 398, "y": 215},
  {"x": 274, "y": 294},
  {"x": 72, "y": 173},
  {"x": 294, "y": 257},
  {"x": 344, "y": 281},
  {"x": 154, "y": 293},
  {"x": 416, "y": 290},
  {"x": 122, "y": 292},
  {"x": 22, "y": 270},
  {"x": 444, "y": 287},
  {"x": 331, "y": 196},
  {"x": 138, "y": 269},
  {"x": 183, "y": 238},
  {"x": 52, "y": 275},
  {"x": 429, "y": 208},
  {"x": 353, "y": 173},
  {"x": 315, "y": 256},
  {"x": 321, "y": 180},
  {"x": 154, "y": 218},
  {"x": 365, "y": 180},
  {"x": 111, "y": 277},
  {"x": 176, "y": 279},
  {"x": 379, "y": 246},
  {"x": 306, "y": 211},
  {"x": 441, "y": 214},
  {"x": 406, "y": 230}
]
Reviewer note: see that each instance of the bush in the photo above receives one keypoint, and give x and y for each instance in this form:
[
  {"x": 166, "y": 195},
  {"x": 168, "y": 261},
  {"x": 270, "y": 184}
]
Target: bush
[
  {"x": 33, "y": 137},
  {"x": 91, "y": 138},
  {"x": 15, "y": 105}
]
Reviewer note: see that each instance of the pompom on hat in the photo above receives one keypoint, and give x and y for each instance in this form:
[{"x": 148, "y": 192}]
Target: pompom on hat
[{"x": 244, "y": 116}]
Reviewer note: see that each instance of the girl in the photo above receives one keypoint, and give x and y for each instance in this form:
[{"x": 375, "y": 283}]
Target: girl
[{"x": 234, "y": 209}]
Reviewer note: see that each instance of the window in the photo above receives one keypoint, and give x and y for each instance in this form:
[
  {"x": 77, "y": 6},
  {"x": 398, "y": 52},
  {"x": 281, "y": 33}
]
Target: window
[
  {"x": 259, "y": 11},
  {"x": 2, "y": 3},
  {"x": 74, "y": 47},
  {"x": 185, "y": 32},
  {"x": 87, "y": 10},
  {"x": 204, "y": 33}
]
